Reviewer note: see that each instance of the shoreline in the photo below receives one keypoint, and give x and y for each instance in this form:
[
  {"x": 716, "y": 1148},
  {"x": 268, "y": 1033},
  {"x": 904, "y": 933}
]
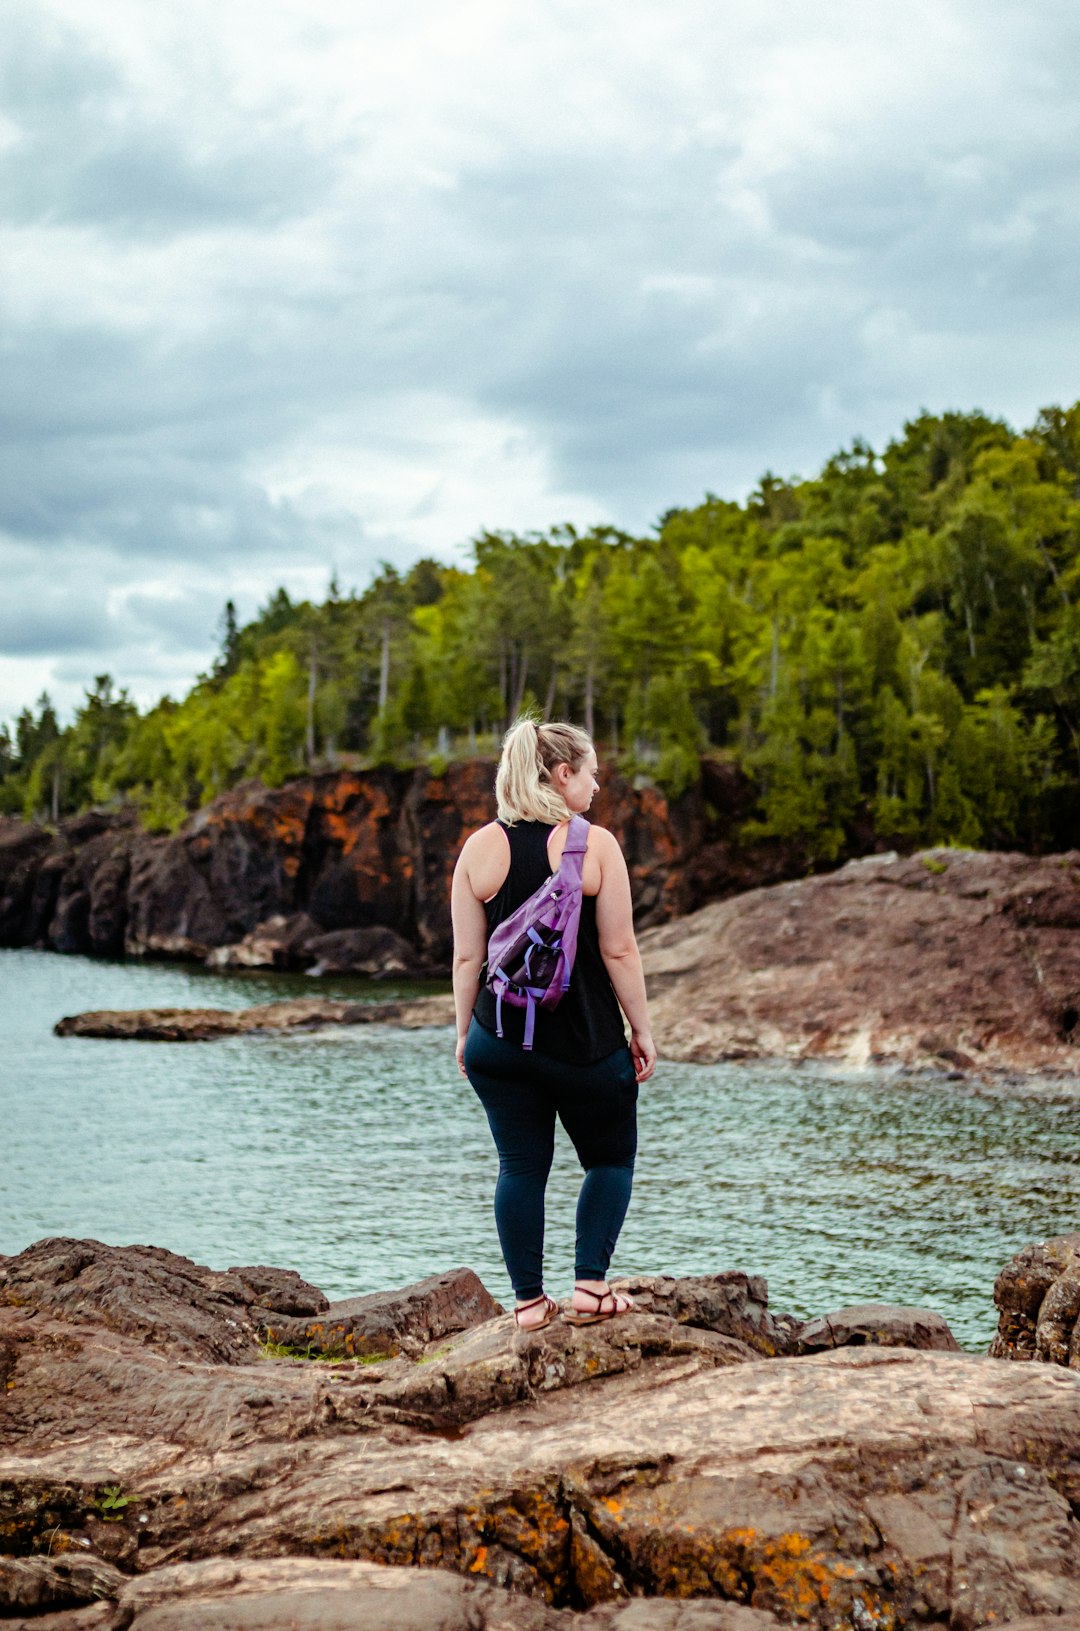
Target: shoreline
[{"x": 312, "y": 1015}]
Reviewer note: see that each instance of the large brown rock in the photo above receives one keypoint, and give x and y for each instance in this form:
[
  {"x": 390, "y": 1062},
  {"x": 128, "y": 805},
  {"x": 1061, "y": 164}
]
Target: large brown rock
[
  {"x": 277, "y": 943},
  {"x": 953, "y": 958},
  {"x": 386, "y": 1321},
  {"x": 734, "y": 1304},
  {"x": 91, "y": 903},
  {"x": 298, "y": 942},
  {"x": 36, "y": 1584},
  {"x": 884, "y": 1325},
  {"x": 316, "y": 1594},
  {"x": 596, "y": 1468},
  {"x": 22, "y": 850},
  {"x": 1037, "y": 1295},
  {"x": 145, "y": 1292}
]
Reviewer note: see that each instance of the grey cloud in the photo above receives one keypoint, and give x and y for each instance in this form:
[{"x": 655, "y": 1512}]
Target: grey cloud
[
  {"x": 180, "y": 621},
  {"x": 42, "y": 620},
  {"x": 89, "y": 152},
  {"x": 621, "y": 307},
  {"x": 629, "y": 394}
]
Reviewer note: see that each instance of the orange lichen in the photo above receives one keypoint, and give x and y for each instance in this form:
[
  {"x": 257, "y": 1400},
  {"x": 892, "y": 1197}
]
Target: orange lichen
[
  {"x": 342, "y": 829},
  {"x": 794, "y": 1579},
  {"x": 479, "y": 1560}
]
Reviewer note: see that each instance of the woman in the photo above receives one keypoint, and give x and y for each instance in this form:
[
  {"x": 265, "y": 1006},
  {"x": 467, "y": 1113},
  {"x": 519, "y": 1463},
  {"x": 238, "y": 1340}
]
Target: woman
[{"x": 580, "y": 1067}]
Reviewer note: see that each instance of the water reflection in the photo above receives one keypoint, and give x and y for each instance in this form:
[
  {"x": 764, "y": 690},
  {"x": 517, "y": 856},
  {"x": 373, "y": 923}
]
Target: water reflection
[{"x": 361, "y": 1158}]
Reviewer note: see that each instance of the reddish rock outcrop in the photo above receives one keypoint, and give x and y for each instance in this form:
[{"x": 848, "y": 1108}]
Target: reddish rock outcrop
[
  {"x": 507, "y": 1477},
  {"x": 348, "y": 871},
  {"x": 958, "y": 960},
  {"x": 955, "y": 958}
]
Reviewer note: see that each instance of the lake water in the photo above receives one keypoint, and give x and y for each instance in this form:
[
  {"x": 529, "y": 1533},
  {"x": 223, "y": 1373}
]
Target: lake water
[{"x": 362, "y": 1159}]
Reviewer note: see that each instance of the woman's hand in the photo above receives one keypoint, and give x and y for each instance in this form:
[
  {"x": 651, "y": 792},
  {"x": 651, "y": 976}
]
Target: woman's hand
[
  {"x": 459, "y": 1053},
  {"x": 643, "y": 1049}
]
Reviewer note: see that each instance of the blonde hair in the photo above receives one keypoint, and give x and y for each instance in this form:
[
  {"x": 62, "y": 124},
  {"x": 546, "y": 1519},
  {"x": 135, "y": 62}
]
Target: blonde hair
[{"x": 524, "y": 785}]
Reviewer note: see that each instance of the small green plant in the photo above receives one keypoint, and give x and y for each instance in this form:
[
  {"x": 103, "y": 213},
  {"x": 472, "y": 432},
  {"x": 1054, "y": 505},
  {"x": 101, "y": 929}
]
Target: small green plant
[
  {"x": 284, "y": 1350},
  {"x": 111, "y": 1503},
  {"x": 932, "y": 865},
  {"x": 336, "y": 1356},
  {"x": 436, "y": 1353}
]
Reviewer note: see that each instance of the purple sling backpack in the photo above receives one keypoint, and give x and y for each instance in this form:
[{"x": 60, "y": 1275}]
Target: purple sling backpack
[{"x": 531, "y": 953}]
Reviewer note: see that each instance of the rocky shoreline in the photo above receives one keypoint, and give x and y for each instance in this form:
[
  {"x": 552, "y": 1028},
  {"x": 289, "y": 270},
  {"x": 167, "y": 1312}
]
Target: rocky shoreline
[
  {"x": 345, "y": 872},
  {"x": 957, "y": 959},
  {"x": 952, "y": 960},
  {"x": 171, "y": 1462}
]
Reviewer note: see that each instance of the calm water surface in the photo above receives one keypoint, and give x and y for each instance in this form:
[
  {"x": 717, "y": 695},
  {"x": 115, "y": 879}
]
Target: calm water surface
[{"x": 362, "y": 1159}]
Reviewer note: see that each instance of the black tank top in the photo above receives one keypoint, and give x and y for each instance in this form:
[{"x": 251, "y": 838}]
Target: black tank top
[{"x": 588, "y": 1024}]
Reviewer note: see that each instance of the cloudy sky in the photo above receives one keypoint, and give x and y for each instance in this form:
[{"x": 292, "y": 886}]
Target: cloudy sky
[{"x": 294, "y": 286}]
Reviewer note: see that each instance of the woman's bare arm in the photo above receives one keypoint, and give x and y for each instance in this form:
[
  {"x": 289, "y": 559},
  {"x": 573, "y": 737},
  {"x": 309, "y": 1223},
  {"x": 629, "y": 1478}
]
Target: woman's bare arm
[
  {"x": 470, "y": 944},
  {"x": 619, "y": 949}
]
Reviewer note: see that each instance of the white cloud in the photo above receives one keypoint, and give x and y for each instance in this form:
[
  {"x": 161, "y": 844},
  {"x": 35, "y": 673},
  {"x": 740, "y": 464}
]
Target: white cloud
[{"x": 292, "y": 285}]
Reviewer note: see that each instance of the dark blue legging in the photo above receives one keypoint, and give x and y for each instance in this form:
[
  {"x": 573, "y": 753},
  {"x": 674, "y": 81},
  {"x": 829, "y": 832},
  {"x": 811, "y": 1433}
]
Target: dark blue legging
[{"x": 522, "y": 1094}]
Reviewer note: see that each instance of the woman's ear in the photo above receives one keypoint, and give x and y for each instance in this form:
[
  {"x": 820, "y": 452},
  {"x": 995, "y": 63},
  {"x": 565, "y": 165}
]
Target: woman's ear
[{"x": 562, "y": 774}]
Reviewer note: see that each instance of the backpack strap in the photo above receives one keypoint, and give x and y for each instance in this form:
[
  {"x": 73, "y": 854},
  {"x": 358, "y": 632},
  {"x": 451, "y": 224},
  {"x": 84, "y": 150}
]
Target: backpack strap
[
  {"x": 577, "y": 837},
  {"x": 499, "y": 986}
]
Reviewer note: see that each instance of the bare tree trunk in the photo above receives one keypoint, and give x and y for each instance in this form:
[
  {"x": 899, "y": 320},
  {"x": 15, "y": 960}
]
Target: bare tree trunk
[
  {"x": 970, "y": 629},
  {"x": 590, "y": 722},
  {"x": 519, "y": 689},
  {"x": 1048, "y": 560},
  {"x": 503, "y": 686},
  {"x": 549, "y": 700},
  {"x": 56, "y": 791}
]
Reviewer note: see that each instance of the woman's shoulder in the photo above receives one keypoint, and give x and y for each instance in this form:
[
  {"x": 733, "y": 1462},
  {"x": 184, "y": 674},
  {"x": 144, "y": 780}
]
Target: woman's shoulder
[
  {"x": 492, "y": 836},
  {"x": 484, "y": 859},
  {"x": 602, "y": 838}
]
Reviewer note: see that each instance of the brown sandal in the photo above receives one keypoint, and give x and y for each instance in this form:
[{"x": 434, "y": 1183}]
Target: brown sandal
[
  {"x": 551, "y": 1311},
  {"x": 599, "y": 1313}
]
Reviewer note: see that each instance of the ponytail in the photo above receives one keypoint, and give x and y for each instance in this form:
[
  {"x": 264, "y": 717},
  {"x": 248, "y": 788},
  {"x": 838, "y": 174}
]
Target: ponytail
[{"x": 524, "y": 786}]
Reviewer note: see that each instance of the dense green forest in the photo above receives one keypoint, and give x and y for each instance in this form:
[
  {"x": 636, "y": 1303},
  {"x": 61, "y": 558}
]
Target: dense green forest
[{"x": 889, "y": 649}]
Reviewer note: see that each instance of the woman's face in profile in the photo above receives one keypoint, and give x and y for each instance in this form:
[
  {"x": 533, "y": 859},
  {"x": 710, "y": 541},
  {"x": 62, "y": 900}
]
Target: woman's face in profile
[{"x": 581, "y": 785}]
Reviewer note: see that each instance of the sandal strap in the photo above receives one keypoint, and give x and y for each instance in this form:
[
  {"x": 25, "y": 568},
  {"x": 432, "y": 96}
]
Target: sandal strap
[
  {"x": 521, "y": 1307},
  {"x": 599, "y": 1297}
]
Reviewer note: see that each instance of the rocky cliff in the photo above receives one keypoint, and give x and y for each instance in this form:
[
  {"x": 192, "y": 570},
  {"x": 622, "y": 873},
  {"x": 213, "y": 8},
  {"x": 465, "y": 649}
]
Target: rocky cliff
[
  {"x": 342, "y": 872},
  {"x": 171, "y": 1461},
  {"x": 958, "y": 958},
  {"x": 954, "y": 959}
]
